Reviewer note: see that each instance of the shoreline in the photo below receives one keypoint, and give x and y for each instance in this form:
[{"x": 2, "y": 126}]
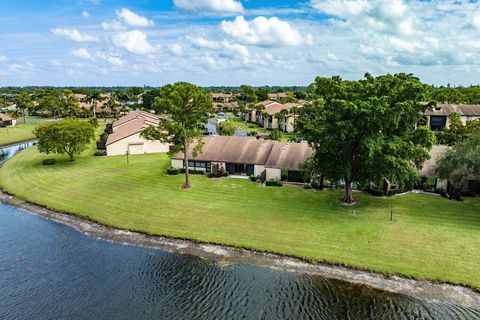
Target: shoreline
[
  {"x": 227, "y": 255},
  {"x": 12, "y": 144}
]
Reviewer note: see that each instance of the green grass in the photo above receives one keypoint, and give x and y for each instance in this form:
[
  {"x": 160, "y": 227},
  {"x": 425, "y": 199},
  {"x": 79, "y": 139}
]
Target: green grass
[
  {"x": 429, "y": 237},
  {"x": 20, "y": 132},
  {"x": 249, "y": 127}
]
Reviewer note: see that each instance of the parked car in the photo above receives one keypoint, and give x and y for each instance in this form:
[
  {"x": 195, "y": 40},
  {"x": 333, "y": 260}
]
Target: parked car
[{"x": 221, "y": 115}]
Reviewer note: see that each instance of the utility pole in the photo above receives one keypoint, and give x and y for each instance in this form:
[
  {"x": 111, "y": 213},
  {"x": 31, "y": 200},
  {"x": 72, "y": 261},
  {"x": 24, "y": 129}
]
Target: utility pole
[{"x": 391, "y": 213}]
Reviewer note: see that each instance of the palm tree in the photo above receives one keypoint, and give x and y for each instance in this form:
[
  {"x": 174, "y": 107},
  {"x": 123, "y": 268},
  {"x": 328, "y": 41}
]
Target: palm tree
[
  {"x": 15, "y": 114},
  {"x": 280, "y": 116},
  {"x": 94, "y": 97},
  {"x": 295, "y": 112}
]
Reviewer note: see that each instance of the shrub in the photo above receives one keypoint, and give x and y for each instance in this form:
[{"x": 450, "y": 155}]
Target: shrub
[
  {"x": 100, "y": 153},
  {"x": 49, "y": 162},
  {"x": 275, "y": 135},
  {"x": 225, "y": 174},
  {"x": 211, "y": 175},
  {"x": 315, "y": 185},
  {"x": 172, "y": 171},
  {"x": 253, "y": 178},
  {"x": 252, "y": 133},
  {"x": 307, "y": 186},
  {"x": 226, "y": 128},
  {"x": 274, "y": 183}
]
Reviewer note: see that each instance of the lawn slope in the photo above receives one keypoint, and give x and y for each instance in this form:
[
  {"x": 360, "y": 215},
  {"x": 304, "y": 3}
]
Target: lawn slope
[
  {"x": 20, "y": 132},
  {"x": 429, "y": 237}
]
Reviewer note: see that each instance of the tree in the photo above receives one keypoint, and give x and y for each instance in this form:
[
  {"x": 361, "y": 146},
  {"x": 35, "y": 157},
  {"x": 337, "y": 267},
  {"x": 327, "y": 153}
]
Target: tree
[
  {"x": 94, "y": 97},
  {"x": 67, "y": 136},
  {"x": 226, "y": 128},
  {"x": 112, "y": 105},
  {"x": 71, "y": 102},
  {"x": 459, "y": 164},
  {"x": 448, "y": 95},
  {"x": 261, "y": 94},
  {"x": 457, "y": 131},
  {"x": 365, "y": 130},
  {"x": 51, "y": 102},
  {"x": 188, "y": 107},
  {"x": 281, "y": 116},
  {"x": 25, "y": 103},
  {"x": 275, "y": 135},
  {"x": 15, "y": 114}
]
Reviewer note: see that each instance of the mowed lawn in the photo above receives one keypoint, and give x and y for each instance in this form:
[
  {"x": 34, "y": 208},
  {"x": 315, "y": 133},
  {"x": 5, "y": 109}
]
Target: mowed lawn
[
  {"x": 429, "y": 237},
  {"x": 20, "y": 132}
]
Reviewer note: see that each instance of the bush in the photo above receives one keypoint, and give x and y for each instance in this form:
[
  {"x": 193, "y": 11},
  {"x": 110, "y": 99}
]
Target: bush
[
  {"x": 100, "y": 153},
  {"x": 225, "y": 174},
  {"x": 226, "y": 128},
  {"x": 274, "y": 183},
  {"x": 49, "y": 162},
  {"x": 172, "y": 171},
  {"x": 211, "y": 175},
  {"x": 253, "y": 178},
  {"x": 307, "y": 186},
  {"x": 315, "y": 185},
  {"x": 252, "y": 133}
]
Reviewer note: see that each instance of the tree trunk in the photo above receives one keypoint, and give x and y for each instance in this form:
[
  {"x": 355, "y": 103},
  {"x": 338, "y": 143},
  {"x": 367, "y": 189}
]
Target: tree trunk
[
  {"x": 348, "y": 195},
  {"x": 185, "y": 163},
  {"x": 72, "y": 157}
]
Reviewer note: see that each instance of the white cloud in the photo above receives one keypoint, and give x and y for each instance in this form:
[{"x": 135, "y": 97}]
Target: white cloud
[
  {"x": 133, "y": 19},
  {"x": 341, "y": 7},
  {"x": 134, "y": 41},
  {"x": 476, "y": 21},
  {"x": 266, "y": 32},
  {"x": 82, "y": 53},
  {"x": 236, "y": 51},
  {"x": 113, "y": 58},
  {"x": 21, "y": 68},
  {"x": 112, "y": 25},
  {"x": 202, "y": 42},
  {"x": 177, "y": 49},
  {"x": 3, "y": 58},
  {"x": 74, "y": 35},
  {"x": 85, "y": 14},
  {"x": 218, "y": 6}
]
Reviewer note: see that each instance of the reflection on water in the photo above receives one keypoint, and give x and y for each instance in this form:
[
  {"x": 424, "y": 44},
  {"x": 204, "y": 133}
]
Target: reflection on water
[
  {"x": 9, "y": 151},
  {"x": 50, "y": 271}
]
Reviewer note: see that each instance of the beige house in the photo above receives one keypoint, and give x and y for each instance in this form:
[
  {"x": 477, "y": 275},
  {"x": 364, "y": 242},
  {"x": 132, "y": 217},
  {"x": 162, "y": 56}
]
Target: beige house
[
  {"x": 221, "y": 97},
  {"x": 437, "y": 117},
  {"x": 277, "y": 96},
  {"x": 101, "y": 106},
  {"x": 248, "y": 156},
  {"x": 429, "y": 176},
  {"x": 266, "y": 118},
  {"x": 7, "y": 121},
  {"x": 125, "y": 137}
]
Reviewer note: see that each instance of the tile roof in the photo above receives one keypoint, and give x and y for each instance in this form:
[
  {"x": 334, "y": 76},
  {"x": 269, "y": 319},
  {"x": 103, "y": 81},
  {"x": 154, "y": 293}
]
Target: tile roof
[
  {"x": 447, "y": 109},
  {"x": 249, "y": 150},
  {"x": 5, "y": 117},
  {"x": 131, "y": 124}
]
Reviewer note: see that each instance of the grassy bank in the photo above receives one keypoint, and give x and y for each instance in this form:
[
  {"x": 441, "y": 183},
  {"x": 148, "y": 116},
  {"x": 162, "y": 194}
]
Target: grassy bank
[
  {"x": 20, "y": 132},
  {"x": 429, "y": 237}
]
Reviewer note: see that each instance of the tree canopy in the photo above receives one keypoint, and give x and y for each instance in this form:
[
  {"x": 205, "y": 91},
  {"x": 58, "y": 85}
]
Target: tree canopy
[
  {"x": 226, "y": 128},
  {"x": 67, "y": 136},
  {"x": 188, "y": 108},
  {"x": 363, "y": 131}
]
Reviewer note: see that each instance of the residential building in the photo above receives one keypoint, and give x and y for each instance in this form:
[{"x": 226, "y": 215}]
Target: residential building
[
  {"x": 248, "y": 156},
  {"x": 7, "y": 121},
  {"x": 428, "y": 175},
  {"x": 125, "y": 136},
  {"x": 266, "y": 116},
  {"x": 221, "y": 97},
  {"x": 277, "y": 96},
  {"x": 100, "y": 106},
  {"x": 437, "y": 117}
]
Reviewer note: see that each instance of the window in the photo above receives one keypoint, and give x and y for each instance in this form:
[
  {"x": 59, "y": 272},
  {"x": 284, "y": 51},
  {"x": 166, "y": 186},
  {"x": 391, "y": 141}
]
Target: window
[
  {"x": 469, "y": 118},
  {"x": 438, "y": 122}
]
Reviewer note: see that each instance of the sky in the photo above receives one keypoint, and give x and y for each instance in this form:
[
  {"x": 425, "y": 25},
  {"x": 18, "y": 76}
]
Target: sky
[{"x": 233, "y": 42}]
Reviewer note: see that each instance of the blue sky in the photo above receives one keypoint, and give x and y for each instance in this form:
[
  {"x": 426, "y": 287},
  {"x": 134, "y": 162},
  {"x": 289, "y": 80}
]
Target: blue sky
[{"x": 233, "y": 42}]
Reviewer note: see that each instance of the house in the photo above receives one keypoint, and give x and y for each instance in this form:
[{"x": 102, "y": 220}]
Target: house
[
  {"x": 125, "y": 136},
  {"x": 429, "y": 177},
  {"x": 248, "y": 156},
  {"x": 266, "y": 117},
  {"x": 7, "y": 121},
  {"x": 225, "y": 106},
  {"x": 221, "y": 97},
  {"x": 101, "y": 107},
  {"x": 277, "y": 96},
  {"x": 437, "y": 117}
]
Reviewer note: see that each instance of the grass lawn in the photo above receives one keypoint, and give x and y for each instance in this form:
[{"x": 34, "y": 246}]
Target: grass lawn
[
  {"x": 20, "y": 132},
  {"x": 429, "y": 237},
  {"x": 248, "y": 126}
]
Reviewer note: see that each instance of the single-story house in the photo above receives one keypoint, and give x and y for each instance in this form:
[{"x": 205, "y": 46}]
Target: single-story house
[
  {"x": 101, "y": 106},
  {"x": 7, "y": 121},
  {"x": 225, "y": 106},
  {"x": 437, "y": 117},
  {"x": 428, "y": 175},
  {"x": 248, "y": 156},
  {"x": 125, "y": 136}
]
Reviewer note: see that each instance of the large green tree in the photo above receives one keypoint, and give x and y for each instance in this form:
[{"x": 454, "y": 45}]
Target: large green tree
[
  {"x": 460, "y": 163},
  {"x": 365, "y": 130},
  {"x": 24, "y": 102},
  {"x": 188, "y": 108},
  {"x": 67, "y": 136},
  {"x": 226, "y": 128}
]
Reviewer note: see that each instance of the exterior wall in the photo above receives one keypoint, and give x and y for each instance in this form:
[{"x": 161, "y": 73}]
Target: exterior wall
[
  {"x": 177, "y": 164},
  {"x": 442, "y": 184},
  {"x": 135, "y": 149},
  {"x": 122, "y": 146},
  {"x": 273, "y": 173},
  {"x": 258, "y": 169},
  {"x": 464, "y": 119}
]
